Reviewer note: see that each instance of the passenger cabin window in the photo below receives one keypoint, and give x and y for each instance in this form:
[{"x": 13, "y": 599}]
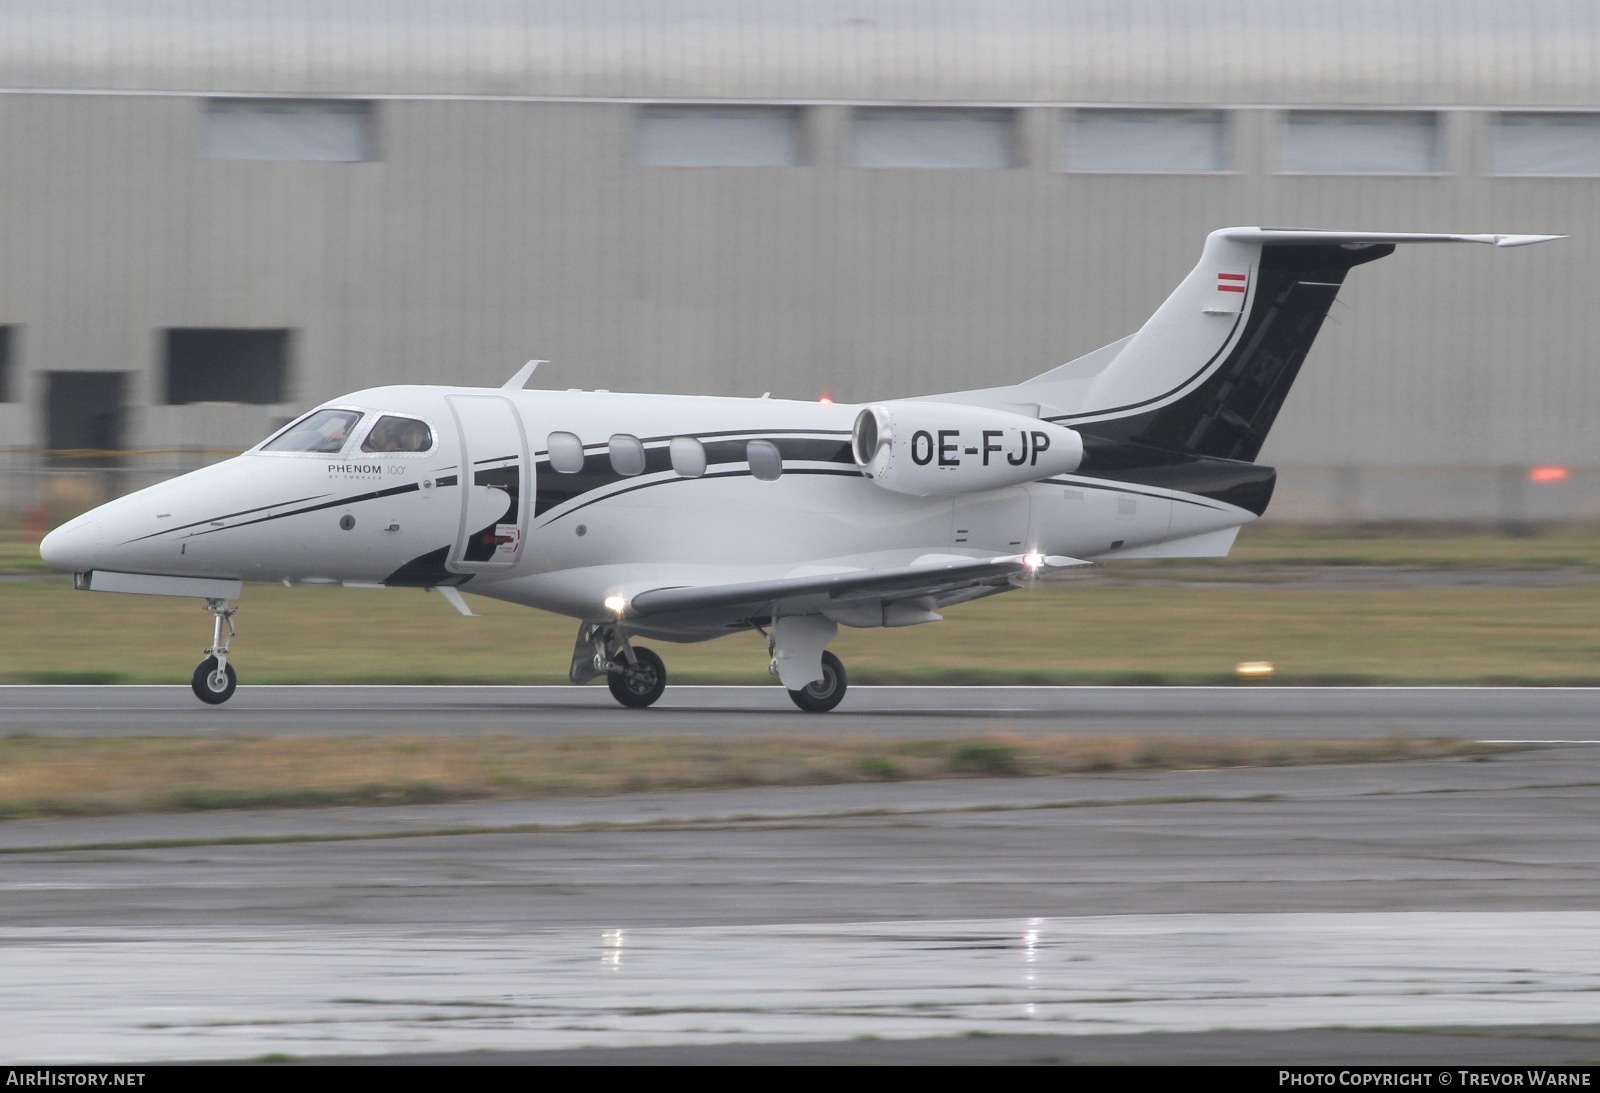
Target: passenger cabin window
[
  {"x": 322, "y": 431},
  {"x": 398, "y": 434},
  {"x": 765, "y": 462},
  {"x": 688, "y": 456},
  {"x": 627, "y": 455},
  {"x": 566, "y": 453}
]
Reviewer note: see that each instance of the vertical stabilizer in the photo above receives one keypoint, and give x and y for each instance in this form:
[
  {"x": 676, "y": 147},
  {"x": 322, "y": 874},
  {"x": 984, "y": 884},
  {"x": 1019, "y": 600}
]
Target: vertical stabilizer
[{"x": 1208, "y": 373}]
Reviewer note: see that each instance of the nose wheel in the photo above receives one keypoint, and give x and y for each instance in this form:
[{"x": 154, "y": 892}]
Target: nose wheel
[
  {"x": 640, "y": 683},
  {"x": 214, "y": 679}
]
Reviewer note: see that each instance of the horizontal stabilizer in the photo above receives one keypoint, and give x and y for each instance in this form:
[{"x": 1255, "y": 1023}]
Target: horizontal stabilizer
[{"x": 1318, "y": 237}]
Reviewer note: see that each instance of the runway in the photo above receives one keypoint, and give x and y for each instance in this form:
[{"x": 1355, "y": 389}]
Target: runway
[
  {"x": 1410, "y": 896},
  {"x": 1478, "y": 713}
]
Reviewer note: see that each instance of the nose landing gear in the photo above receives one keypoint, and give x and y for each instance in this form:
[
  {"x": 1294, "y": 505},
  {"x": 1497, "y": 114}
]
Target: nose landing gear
[
  {"x": 214, "y": 679},
  {"x": 636, "y": 675},
  {"x": 640, "y": 683}
]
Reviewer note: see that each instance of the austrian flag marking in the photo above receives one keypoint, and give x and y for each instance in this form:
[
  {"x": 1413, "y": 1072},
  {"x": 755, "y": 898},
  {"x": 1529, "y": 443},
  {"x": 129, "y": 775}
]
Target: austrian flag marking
[{"x": 1231, "y": 282}]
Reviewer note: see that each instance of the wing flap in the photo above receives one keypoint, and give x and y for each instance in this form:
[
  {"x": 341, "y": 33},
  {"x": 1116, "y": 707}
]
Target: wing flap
[{"x": 947, "y": 575}]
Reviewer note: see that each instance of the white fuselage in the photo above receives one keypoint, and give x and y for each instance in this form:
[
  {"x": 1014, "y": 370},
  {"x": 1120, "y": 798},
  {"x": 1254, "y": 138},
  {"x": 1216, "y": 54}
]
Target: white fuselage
[{"x": 567, "y": 542}]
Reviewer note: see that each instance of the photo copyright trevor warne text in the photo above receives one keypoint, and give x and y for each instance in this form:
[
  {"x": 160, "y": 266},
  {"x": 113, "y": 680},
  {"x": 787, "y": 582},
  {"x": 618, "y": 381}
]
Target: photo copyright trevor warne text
[{"x": 1435, "y": 1078}]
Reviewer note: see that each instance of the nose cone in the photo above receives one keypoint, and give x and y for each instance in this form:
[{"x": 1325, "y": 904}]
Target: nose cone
[{"x": 73, "y": 546}]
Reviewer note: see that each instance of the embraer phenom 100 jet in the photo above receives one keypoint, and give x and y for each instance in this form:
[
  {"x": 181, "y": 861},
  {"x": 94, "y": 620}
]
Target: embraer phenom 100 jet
[{"x": 685, "y": 518}]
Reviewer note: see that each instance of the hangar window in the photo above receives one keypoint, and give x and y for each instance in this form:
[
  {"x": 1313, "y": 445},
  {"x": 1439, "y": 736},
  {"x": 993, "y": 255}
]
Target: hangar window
[
  {"x": 908, "y": 137},
  {"x": 719, "y": 136},
  {"x": 84, "y": 416},
  {"x": 688, "y": 456},
  {"x": 1360, "y": 142},
  {"x": 1546, "y": 144},
  {"x": 1179, "y": 141},
  {"x": 627, "y": 455},
  {"x": 226, "y": 366},
  {"x": 314, "y": 130},
  {"x": 398, "y": 434},
  {"x": 8, "y": 340},
  {"x": 765, "y": 461},
  {"x": 566, "y": 453}
]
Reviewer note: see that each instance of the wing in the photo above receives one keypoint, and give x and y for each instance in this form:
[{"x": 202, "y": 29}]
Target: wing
[{"x": 891, "y": 596}]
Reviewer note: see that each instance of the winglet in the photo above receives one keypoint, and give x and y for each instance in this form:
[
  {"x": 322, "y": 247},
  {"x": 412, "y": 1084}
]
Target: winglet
[{"x": 524, "y": 374}]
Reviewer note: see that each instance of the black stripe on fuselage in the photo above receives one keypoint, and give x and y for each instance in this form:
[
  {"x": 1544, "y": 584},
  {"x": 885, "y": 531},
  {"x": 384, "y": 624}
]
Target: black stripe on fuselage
[
  {"x": 787, "y": 471},
  {"x": 353, "y": 500},
  {"x": 427, "y": 571},
  {"x": 1233, "y": 482},
  {"x": 1105, "y": 487},
  {"x": 224, "y": 516},
  {"x": 555, "y": 489},
  {"x": 1228, "y": 344},
  {"x": 1225, "y": 410}
]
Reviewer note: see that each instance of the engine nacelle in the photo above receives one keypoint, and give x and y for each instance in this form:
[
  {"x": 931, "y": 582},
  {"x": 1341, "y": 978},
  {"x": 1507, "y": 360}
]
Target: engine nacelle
[{"x": 936, "y": 449}]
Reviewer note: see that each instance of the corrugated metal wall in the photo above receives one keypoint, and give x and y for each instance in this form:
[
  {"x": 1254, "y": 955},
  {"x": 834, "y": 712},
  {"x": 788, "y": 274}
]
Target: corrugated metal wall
[{"x": 500, "y": 220}]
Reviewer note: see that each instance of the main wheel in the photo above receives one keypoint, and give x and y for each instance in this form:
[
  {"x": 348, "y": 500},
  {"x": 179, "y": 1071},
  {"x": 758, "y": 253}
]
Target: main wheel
[
  {"x": 211, "y": 686},
  {"x": 825, "y": 693},
  {"x": 640, "y": 684}
]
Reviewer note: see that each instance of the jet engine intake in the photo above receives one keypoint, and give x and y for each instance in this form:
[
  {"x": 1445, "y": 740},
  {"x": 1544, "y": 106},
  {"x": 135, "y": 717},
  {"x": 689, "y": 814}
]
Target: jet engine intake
[{"x": 934, "y": 449}]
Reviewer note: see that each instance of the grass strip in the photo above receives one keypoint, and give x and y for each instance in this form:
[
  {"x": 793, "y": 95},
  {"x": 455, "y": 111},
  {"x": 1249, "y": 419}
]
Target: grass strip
[
  {"x": 96, "y": 776},
  {"x": 1104, "y": 631}
]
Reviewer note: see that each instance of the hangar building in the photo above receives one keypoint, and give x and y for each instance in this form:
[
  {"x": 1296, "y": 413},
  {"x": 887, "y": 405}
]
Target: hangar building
[{"x": 215, "y": 214}]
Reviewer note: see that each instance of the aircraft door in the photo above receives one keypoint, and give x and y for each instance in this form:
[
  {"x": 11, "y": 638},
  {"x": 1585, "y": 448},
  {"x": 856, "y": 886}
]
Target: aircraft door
[{"x": 496, "y": 484}]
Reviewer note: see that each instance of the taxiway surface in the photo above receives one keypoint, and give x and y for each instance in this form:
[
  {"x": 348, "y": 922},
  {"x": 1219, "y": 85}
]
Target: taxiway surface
[
  {"x": 1499, "y": 713},
  {"x": 1458, "y": 892}
]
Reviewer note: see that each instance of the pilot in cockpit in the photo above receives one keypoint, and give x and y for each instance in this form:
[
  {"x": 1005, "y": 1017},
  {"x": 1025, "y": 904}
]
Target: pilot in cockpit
[{"x": 397, "y": 434}]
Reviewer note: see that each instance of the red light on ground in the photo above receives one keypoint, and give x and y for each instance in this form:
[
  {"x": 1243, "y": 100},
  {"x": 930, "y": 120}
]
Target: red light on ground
[{"x": 1547, "y": 474}]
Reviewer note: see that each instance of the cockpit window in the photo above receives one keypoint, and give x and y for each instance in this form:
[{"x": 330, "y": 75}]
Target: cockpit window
[
  {"x": 398, "y": 434},
  {"x": 320, "y": 431}
]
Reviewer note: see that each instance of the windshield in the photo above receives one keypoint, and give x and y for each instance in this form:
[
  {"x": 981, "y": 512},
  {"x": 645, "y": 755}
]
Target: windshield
[{"x": 319, "y": 431}]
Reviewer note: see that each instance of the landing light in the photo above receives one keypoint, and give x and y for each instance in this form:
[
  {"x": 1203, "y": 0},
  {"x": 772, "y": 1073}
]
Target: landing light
[
  {"x": 1033, "y": 560},
  {"x": 615, "y": 604}
]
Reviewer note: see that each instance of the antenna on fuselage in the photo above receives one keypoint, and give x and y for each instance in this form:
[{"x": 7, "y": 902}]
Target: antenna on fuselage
[{"x": 524, "y": 374}]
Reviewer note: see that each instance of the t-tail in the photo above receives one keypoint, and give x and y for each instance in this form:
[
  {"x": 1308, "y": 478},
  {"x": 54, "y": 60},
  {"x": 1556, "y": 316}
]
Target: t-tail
[{"x": 1187, "y": 401}]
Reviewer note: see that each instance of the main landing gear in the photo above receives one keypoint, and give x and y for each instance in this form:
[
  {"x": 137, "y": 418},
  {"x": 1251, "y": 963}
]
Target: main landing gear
[
  {"x": 823, "y": 694},
  {"x": 637, "y": 677},
  {"x": 214, "y": 679}
]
